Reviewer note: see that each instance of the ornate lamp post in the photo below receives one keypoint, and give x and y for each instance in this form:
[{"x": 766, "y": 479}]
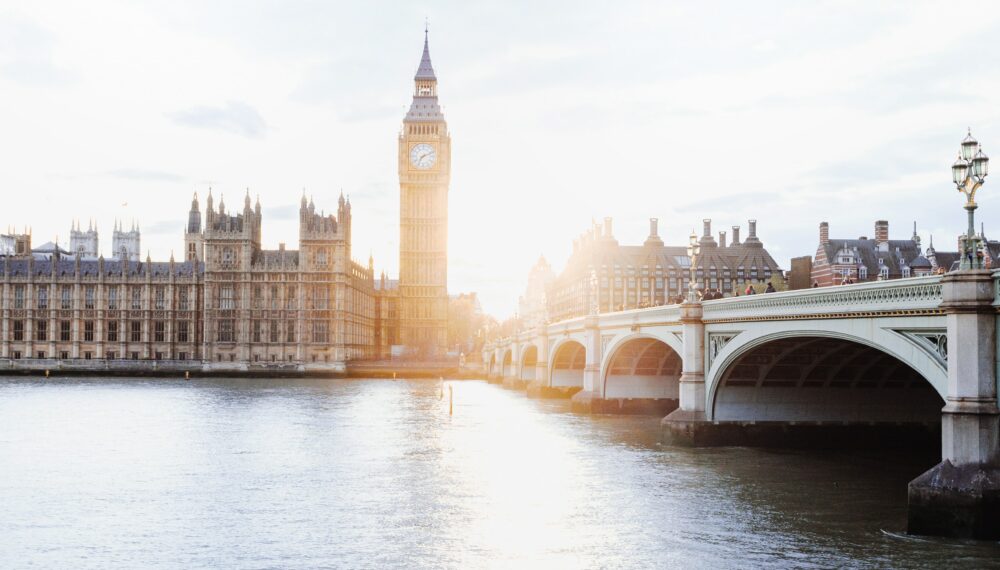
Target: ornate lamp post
[
  {"x": 693, "y": 249},
  {"x": 969, "y": 172}
]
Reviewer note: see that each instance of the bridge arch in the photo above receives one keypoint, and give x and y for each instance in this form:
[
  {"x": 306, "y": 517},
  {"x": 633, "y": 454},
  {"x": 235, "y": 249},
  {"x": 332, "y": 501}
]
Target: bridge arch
[
  {"x": 529, "y": 358},
  {"x": 569, "y": 357},
  {"x": 492, "y": 367},
  {"x": 507, "y": 366},
  {"x": 641, "y": 366},
  {"x": 822, "y": 375}
]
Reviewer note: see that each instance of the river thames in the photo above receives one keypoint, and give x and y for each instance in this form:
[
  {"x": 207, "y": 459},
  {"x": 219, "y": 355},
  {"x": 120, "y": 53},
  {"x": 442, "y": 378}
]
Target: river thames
[{"x": 126, "y": 473}]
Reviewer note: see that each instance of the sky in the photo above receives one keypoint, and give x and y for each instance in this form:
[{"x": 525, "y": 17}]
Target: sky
[{"x": 791, "y": 113}]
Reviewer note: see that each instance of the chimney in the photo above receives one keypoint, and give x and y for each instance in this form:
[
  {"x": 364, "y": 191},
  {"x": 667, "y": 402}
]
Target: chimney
[
  {"x": 881, "y": 233},
  {"x": 654, "y": 238},
  {"x": 722, "y": 239},
  {"x": 736, "y": 235},
  {"x": 607, "y": 228},
  {"x": 824, "y": 233},
  {"x": 707, "y": 227},
  {"x": 753, "y": 229}
]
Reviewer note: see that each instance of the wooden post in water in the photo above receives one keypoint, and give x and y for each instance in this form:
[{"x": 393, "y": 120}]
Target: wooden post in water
[{"x": 451, "y": 400}]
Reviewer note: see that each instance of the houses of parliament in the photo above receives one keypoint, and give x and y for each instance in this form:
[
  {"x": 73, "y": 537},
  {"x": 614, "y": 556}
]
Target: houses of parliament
[{"x": 230, "y": 304}]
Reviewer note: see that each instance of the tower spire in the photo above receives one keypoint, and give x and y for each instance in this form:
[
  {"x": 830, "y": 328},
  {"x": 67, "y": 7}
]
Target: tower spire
[{"x": 425, "y": 71}]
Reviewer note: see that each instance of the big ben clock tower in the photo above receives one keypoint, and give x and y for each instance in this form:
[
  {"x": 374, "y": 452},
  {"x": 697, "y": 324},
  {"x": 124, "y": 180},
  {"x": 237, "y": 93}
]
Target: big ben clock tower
[{"x": 424, "y": 173}]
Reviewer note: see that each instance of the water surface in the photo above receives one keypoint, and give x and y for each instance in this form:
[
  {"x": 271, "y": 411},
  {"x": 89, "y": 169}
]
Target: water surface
[{"x": 127, "y": 473}]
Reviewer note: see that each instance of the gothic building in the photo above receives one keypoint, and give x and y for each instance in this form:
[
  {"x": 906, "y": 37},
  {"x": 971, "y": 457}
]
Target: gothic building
[
  {"x": 230, "y": 305},
  {"x": 424, "y": 174}
]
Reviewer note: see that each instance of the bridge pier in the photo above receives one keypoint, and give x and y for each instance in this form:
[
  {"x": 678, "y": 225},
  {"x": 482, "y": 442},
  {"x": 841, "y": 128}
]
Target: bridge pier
[
  {"x": 584, "y": 400},
  {"x": 960, "y": 496},
  {"x": 687, "y": 424}
]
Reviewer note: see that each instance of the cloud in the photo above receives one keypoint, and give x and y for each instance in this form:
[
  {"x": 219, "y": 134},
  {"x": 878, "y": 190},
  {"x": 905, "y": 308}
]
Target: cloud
[
  {"x": 164, "y": 227},
  {"x": 235, "y": 117},
  {"x": 27, "y": 54},
  {"x": 145, "y": 175},
  {"x": 283, "y": 212}
]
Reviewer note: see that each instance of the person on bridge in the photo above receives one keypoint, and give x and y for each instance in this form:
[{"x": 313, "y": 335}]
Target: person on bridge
[
  {"x": 750, "y": 290},
  {"x": 770, "y": 288}
]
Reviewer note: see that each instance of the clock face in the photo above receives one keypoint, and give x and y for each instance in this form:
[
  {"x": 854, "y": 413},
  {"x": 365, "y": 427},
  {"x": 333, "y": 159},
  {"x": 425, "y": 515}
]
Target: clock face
[{"x": 423, "y": 156}]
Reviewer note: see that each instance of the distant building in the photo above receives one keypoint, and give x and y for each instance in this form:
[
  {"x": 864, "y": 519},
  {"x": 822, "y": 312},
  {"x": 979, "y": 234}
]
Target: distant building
[
  {"x": 125, "y": 245},
  {"x": 532, "y": 305},
  {"x": 838, "y": 260},
  {"x": 614, "y": 277},
  {"x": 800, "y": 273},
  {"x": 84, "y": 243}
]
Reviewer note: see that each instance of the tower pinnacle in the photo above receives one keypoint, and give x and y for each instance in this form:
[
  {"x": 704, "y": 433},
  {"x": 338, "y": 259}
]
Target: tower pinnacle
[{"x": 425, "y": 71}]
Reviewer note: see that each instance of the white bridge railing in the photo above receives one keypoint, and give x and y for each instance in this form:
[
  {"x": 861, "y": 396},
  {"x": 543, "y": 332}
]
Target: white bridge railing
[{"x": 912, "y": 294}]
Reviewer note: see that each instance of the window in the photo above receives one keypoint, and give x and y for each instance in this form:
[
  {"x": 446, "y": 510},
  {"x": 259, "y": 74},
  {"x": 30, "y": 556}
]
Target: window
[
  {"x": 88, "y": 355},
  {"x": 883, "y": 272},
  {"x": 182, "y": 356},
  {"x": 182, "y": 331},
  {"x": 906, "y": 272},
  {"x": 112, "y": 334},
  {"x": 136, "y": 298},
  {"x": 110, "y": 355},
  {"x": 226, "y": 297},
  {"x": 135, "y": 356},
  {"x": 862, "y": 272},
  {"x": 65, "y": 297},
  {"x": 18, "y": 330},
  {"x": 88, "y": 331},
  {"x": 290, "y": 296},
  {"x": 113, "y": 297},
  {"x": 182, "y": 299},
  {"x": 19, "y": 296},
  {"x": 321, "y": 331},
  {"x": 160, "y": 298},
  {"x": 88, "y": 297},
  {"x": 255, "y": 329},
  {"x": 159, "y": 331},
  {"x": 273, "y": 333},
  {"x": 290, "y": 331},
  {"x": 321, "y": 258},
  {"x": 226, "y": 327},
  {"x": 42, "y": 331},
  {"x": 258, "y": 297},
  {"x": 64, "y": 355},
  {"x": 64, "y": 330},
  {"x": 43, "y": 297},
  {"x": 135, "y": 331},
  {"x": 275, "y": 302},
  {"x": 323, "y": 298}
]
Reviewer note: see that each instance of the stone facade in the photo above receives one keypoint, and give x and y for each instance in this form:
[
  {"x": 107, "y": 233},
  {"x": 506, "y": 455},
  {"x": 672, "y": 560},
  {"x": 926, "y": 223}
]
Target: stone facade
[
  {"x": 231, "y": 305},
  {"x": 424, "y": 175}
]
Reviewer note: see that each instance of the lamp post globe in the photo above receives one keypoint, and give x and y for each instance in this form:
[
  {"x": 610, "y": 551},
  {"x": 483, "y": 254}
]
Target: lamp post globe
[
  {"x": 959, "y": 171},
  {"x": 980, "y": 164},
  {"x": 969, "y": 146}
]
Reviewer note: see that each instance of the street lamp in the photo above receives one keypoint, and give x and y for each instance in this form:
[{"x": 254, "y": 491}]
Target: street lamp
[
  {"x": 969, "y": 172},
  {"x": 693, "y": 248}
]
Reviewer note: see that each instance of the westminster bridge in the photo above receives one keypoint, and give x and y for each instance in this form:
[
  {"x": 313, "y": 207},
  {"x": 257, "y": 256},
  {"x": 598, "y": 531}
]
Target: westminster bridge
[{"x": 877, "y": 363}]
